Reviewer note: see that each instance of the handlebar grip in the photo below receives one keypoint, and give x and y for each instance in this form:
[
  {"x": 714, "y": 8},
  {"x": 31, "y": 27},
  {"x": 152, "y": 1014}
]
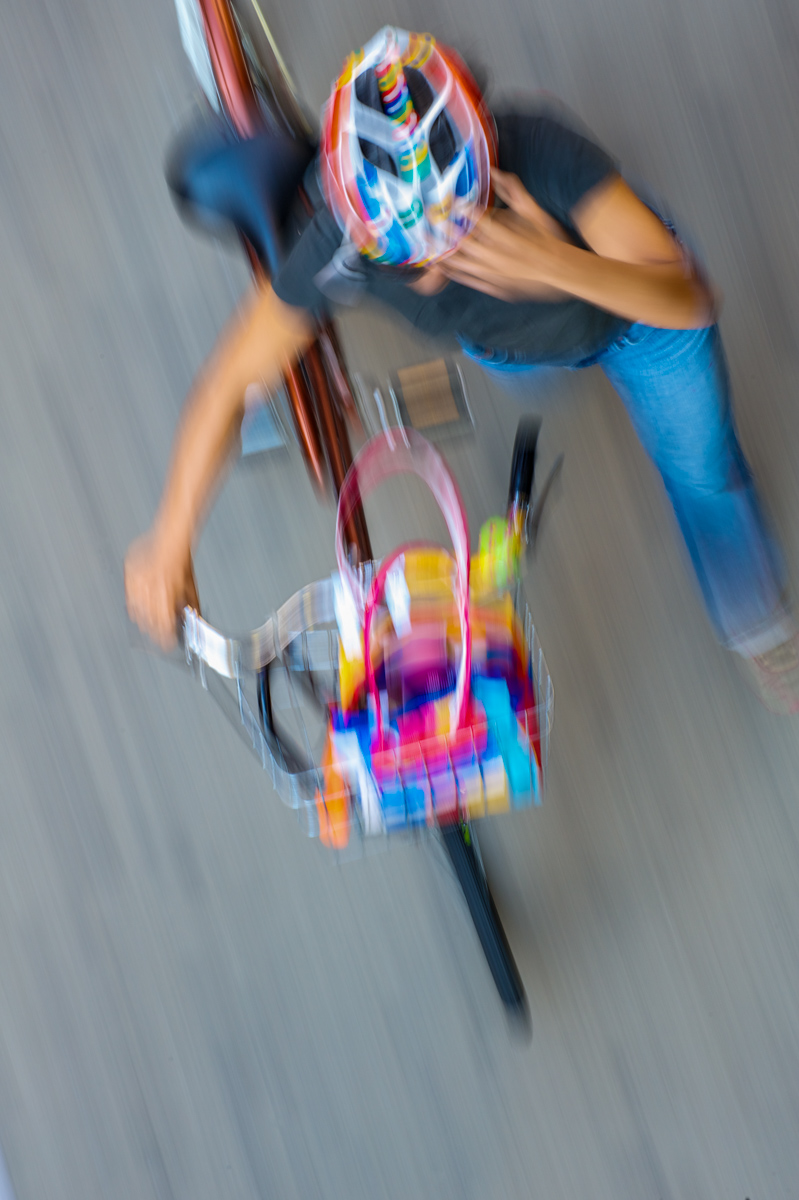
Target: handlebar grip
[{"x": 523, "y": 463}]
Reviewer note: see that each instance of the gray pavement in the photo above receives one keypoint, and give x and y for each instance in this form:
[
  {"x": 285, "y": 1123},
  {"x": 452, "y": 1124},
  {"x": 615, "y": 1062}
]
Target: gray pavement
[{"x": 194, "y": 1001}]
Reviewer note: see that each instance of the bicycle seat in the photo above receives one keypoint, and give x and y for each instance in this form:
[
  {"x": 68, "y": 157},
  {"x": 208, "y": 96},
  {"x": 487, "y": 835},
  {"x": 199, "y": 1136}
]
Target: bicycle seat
[{"x": 249, "y": 185}]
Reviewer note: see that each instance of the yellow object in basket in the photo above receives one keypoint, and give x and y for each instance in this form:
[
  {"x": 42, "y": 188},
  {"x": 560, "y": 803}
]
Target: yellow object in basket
[
  {"x": 496, "y": 564},
  {"x": 351, "y": 675},
  {"x": 496, "y": 787}
]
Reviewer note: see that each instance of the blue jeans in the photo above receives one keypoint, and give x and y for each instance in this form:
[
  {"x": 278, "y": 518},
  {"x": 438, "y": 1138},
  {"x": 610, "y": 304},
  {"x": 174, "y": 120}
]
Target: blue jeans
[{"x": 675, "y": 387}]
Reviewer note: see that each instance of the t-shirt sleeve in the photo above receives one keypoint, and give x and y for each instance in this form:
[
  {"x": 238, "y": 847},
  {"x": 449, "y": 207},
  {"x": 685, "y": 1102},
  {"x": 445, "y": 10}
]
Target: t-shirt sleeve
[
  {"x": 295, "y": 283},
  {"x": 557, "y": 165}
]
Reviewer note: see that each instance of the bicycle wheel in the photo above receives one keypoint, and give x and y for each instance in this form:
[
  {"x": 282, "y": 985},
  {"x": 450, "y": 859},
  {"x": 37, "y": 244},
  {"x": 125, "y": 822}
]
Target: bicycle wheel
[
  {"x": 268, "y": 71},
  {"x": 460, "y": 844},
  {"x": 294, "y": 697},
  {"x": 522, "y": 471}
]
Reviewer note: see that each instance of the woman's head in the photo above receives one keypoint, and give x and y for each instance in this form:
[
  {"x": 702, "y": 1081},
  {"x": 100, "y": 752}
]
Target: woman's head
[{"x": 407, "y": 149}]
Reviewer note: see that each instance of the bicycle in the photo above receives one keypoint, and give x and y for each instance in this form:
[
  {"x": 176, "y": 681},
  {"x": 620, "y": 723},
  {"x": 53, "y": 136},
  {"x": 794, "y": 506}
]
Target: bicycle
[{"x": 297, "y": 651}]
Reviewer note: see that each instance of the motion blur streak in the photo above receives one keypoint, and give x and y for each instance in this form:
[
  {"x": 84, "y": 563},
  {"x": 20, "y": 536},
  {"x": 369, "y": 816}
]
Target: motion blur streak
[{"x": 195, "y": 1002}]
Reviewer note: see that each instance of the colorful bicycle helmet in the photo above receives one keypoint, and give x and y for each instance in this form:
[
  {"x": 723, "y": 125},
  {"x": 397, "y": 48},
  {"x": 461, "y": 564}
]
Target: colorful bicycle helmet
[{"x": 407, "y": 149}]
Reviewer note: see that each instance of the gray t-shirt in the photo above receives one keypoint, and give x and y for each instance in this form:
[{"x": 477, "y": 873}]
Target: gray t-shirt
[{"x": 558, "y": 166}]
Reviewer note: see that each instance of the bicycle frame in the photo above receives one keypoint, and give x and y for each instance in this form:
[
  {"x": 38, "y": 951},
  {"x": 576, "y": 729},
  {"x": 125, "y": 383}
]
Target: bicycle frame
[{"x": 319, "y": 394}]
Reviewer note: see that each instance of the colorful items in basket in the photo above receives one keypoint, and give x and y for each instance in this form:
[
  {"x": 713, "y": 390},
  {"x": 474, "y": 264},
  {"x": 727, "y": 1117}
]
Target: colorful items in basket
[{"x": 437, "y": 716}]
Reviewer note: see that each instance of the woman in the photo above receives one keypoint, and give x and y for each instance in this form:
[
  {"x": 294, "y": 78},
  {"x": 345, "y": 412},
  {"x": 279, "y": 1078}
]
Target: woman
[{"x": 573, "y": 270}]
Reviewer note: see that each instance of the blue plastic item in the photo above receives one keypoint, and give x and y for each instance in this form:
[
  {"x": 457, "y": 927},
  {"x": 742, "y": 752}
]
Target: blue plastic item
[{"x": 493, "y": 694}]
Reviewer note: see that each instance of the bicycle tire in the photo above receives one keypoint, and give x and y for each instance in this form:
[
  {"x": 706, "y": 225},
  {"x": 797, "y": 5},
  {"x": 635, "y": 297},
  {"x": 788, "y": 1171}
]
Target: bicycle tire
[
  {"x": 522, "y": 469},
  {"x": 459, "y": 843},
  {"x": 292, "y": 758}
]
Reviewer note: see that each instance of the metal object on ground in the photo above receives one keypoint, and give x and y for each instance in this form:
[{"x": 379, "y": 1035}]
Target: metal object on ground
[{"x": 432, "y": 398}]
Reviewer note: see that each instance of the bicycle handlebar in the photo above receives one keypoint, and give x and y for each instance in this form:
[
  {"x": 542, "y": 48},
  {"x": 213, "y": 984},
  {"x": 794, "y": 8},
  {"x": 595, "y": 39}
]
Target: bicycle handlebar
[{"x": 311, "y": 606}]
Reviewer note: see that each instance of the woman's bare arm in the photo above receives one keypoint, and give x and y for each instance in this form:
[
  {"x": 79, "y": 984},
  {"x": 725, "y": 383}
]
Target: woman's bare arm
[
  {"x": 634, "y": 267},
  {"x": 261, "y": 338}
]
